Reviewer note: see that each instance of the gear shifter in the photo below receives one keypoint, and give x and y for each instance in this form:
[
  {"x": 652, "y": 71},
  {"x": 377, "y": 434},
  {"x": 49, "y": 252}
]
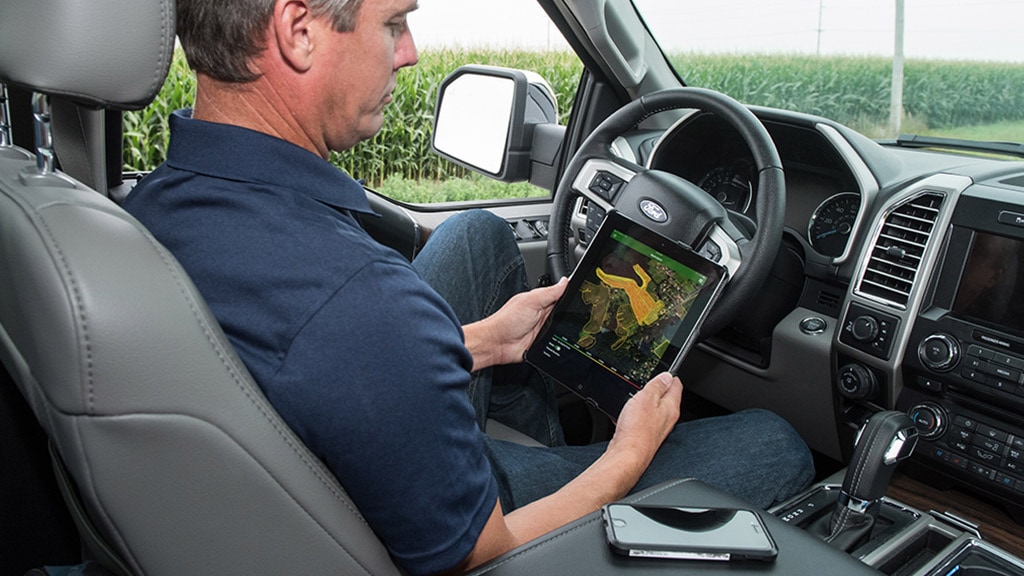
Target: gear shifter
[{"x": 884, "y": 440}]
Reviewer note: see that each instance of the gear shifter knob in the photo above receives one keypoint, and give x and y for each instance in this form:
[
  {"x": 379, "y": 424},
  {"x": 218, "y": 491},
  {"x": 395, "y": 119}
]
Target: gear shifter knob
[{"x": 884, "y": 440}]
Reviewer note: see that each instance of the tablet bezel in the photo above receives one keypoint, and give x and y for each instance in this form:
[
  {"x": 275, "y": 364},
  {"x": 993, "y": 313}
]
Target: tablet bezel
[{"x": 599, "y": 384}]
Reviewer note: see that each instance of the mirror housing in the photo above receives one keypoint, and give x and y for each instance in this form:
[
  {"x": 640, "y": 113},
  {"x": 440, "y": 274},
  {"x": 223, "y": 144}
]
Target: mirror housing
[{"x": 486, "y": 117}]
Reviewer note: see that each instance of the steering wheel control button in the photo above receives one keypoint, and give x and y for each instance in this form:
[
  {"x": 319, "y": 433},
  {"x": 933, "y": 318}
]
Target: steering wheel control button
[
  {"x": 869, "y": 331},
  {"x": 606, "y": 185},
  {"x": 813, "y": 325},
  {"x": 595, "y": 216},
  {"x": 941, "y": 353}
]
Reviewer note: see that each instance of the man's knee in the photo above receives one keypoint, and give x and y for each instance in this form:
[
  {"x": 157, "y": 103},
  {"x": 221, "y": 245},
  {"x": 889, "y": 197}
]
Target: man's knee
[
  {"x": 477, "y": 223},
  {"x": 789, "y": 449}
]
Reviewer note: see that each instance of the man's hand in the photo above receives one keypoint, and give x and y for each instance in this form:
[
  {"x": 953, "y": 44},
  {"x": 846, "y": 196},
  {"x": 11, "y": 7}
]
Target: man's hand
[
  {"x": 648, "y": 417},
  {"x": 503, "y": 337},
  {"x": 643, "y": 425}
]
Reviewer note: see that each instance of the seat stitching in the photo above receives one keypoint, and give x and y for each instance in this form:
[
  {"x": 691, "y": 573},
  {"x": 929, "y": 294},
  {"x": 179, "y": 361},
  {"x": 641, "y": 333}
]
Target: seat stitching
[
  {"x": 226, "y": 361},
  {"x": 80, "y": 306}
]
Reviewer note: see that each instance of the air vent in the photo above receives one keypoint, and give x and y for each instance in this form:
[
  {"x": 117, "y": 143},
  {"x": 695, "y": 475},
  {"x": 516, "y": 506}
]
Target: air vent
[
  {"x": 898, "y": 251},
  {"x": 829, "y": 300}
]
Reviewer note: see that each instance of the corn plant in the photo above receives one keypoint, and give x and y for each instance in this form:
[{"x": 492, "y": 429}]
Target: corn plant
[{"x": 850, "y": 90}]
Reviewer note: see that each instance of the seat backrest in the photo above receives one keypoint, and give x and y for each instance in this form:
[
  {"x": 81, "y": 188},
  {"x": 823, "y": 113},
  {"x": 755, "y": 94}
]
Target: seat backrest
[{"x": 180, "y": 462}]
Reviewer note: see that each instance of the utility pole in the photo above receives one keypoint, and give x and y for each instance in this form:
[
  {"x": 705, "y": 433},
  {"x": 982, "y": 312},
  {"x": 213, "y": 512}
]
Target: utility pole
[
  {"x": 896, "y": 103},
  {"x": 821, "y": 9}
]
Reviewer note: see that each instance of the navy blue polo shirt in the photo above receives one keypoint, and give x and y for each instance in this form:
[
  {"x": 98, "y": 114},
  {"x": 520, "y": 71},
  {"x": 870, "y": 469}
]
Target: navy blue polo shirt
[{"x": 356, "y": 352}]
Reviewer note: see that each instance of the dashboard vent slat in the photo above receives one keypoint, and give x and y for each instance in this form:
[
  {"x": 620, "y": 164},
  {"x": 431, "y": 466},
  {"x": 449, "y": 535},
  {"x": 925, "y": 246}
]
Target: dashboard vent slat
[{"x": 896, "y": 257}]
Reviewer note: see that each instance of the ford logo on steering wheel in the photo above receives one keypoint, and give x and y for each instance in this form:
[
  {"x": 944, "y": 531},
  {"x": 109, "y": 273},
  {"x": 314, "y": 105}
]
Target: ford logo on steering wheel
[{"x": 653, "y": 210}]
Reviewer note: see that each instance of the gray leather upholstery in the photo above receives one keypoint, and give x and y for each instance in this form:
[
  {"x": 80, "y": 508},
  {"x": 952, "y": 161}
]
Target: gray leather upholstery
[
  {"x": 108, "y": 53},
  {"x": 179, "y": 459},
  {"x": 180, "y": 462}
]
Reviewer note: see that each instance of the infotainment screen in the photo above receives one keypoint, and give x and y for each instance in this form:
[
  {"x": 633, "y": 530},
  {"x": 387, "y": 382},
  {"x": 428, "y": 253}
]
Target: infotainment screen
[{"x": 991, "y": 288}]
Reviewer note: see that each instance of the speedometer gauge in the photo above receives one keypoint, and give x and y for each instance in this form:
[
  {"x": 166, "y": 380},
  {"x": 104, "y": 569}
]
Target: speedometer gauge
[
  {"x": 729, "y": 186},
  {"x": 831, "y": 224}
]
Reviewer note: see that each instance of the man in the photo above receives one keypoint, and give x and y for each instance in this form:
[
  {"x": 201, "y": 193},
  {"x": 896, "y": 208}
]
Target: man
[{"x": 360, "y": 355}]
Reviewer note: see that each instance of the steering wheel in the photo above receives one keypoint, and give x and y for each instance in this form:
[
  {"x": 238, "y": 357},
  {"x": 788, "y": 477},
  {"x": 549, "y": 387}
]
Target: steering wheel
[{"x": 677, "y": 208}]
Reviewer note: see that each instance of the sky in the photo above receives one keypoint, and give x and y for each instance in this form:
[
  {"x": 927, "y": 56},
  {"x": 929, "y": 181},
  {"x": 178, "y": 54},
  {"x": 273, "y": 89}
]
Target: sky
[{"x": 939, "y": 29}]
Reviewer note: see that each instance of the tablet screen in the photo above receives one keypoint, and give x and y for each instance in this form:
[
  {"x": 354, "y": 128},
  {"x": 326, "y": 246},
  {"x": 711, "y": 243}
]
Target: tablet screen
[{"x": 633, "y": 305}]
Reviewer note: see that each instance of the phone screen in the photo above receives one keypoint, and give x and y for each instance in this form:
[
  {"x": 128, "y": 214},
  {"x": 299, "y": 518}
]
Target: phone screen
[{"x": 688, "y": 533}]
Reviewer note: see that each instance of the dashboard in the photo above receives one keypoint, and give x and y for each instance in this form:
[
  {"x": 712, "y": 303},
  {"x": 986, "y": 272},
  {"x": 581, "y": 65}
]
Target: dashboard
[
  {"x": 885, "y": 249},
  {"x": 822, "y": 194}
]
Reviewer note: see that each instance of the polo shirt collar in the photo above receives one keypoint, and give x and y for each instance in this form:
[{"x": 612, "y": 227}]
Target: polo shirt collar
[{"x": 236, "y": 153}]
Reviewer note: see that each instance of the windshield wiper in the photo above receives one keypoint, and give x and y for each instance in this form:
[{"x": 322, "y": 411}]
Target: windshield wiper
[{"x": 916, "y": 141}]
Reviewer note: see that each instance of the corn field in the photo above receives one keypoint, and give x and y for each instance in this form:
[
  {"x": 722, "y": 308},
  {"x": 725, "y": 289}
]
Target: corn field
[{"x": 850, "y": 90}]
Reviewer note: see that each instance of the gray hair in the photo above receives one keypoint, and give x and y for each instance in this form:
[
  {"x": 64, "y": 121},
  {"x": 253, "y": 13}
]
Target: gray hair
[{"x": 221, "y": 37}]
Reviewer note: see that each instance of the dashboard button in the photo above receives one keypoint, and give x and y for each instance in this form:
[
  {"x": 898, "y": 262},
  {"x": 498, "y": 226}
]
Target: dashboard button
[
  {"x": 1001, "y": 359},
  {"x": 965, "y": 422},
  {"x": 1005, "y": 480},
  {"x": 1011, "y": 218},
  {"x": 989, "y": 444},
  {"x": 813, "y": 325},
  {"x": 975, "y": 375},
  {"x": 1002, "y": 384},
  {"x": 992, "y": 433},
  {"x": 984, "y": 456},
  {"x": 983, "y": 471},
  {"x": 930, "y": 384},
  {"x": 962, "y": 434}
]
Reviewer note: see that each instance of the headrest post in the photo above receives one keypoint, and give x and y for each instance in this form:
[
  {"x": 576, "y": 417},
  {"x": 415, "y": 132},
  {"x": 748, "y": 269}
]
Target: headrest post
[
  {"x": 45, "y": 157},
  {"x": 6, "y": 135}
]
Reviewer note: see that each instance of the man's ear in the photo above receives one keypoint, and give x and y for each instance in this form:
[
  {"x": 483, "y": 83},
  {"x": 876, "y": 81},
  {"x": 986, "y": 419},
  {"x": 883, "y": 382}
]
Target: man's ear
[{"x": 291, "y": 27}]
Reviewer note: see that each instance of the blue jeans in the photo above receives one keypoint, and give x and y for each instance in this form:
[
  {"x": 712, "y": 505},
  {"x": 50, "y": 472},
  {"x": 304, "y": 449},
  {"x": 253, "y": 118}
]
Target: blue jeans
[{"x": 473, "y": 261}]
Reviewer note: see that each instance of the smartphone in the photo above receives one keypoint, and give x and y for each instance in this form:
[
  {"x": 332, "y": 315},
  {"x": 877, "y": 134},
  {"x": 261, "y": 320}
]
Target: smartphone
[{"x": 686, "y": 533}]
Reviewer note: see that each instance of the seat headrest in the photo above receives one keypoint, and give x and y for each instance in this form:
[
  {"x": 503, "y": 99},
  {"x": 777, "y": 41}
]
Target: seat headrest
[{"x": 103, "y": 53}]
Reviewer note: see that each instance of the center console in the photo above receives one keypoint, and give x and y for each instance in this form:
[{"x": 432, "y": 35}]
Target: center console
[
  {"x": 964, "y": 368},
  {"x": 934, "y": 327},
  {"x": 906, "y": 541}
]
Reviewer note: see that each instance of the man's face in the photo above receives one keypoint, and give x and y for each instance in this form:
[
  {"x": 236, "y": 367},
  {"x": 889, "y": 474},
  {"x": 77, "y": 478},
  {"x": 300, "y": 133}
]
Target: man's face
[{"x": 360, "y": 71}]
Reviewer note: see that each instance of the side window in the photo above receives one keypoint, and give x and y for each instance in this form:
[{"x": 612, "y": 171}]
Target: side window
[{"x": 398, "y": 162}]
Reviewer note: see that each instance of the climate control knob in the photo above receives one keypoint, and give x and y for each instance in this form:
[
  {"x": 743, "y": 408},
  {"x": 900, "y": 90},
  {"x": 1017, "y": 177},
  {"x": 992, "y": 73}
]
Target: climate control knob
[
  {"x": 856, "y": 382},
  {"x": 930, "y": 419},
  {"x": 939, "y": 352}
]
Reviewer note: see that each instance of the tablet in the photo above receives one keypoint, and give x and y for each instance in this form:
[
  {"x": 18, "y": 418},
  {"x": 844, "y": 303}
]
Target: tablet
[{"x": 633, "y": 308}]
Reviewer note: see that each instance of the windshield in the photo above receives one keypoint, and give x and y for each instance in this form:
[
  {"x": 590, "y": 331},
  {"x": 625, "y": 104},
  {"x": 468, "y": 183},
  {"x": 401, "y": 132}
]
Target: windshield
[{"x": 941, "y": 68}]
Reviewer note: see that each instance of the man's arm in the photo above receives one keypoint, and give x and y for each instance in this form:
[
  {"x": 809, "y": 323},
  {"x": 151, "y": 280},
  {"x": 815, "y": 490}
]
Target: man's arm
[
  {"x": 645, "y": 422},
  {"x": 503, "y": 337}
]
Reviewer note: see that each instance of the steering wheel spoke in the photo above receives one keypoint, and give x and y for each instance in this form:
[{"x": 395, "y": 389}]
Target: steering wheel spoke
[
  {"x": 600, "y": 181},
  {"x": 722, "y": 248}
]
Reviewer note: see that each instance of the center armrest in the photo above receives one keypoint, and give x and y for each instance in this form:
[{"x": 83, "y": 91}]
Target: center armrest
[{"x": 581, "y": 547}]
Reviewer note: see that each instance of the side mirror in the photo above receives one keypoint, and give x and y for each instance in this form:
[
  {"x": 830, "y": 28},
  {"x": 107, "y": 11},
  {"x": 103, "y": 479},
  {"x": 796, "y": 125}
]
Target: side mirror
[{"x": 486, "y": 117}]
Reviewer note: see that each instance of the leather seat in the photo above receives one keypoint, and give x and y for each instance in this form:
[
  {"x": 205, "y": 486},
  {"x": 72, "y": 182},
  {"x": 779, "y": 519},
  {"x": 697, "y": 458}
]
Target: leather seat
[
  {"x": 174, "y": 461},
  {"x": 179, "y": 463}
]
